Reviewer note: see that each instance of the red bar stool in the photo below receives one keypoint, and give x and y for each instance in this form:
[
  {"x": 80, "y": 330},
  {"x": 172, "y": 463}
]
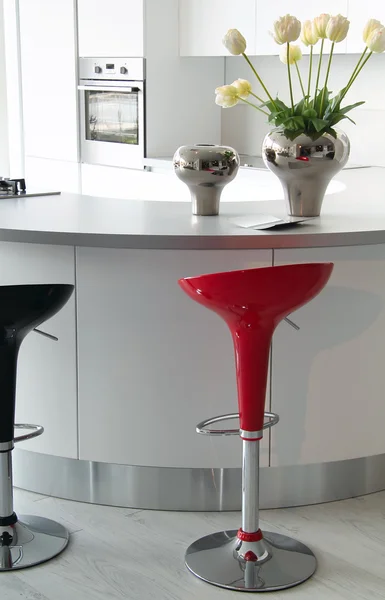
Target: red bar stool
[{"x": 253, "y": 302}]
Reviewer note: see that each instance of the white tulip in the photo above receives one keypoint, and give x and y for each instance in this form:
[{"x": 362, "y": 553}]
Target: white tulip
[
  {"x": 226, "y": 96},
  {"x": 234, "y": 42},
  {"x": 337, "y": 28},
  {"x": 371, "y": 26},
  {"x": 295, "y": 54},
  {"x": 319, "y": 25},
  {"x": 243, "y": 88},
  {"x": 308, "y": 36},
  {"x": 376, "y": 41},
  {"x": 286, "y": 29}
]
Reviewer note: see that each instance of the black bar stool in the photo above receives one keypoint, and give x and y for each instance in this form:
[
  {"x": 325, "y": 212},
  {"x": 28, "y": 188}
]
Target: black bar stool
[{"x": 29, "y": 540}]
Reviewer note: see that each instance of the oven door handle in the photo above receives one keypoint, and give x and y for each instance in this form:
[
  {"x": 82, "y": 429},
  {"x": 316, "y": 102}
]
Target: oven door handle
[{"x": 97, "y": 88}]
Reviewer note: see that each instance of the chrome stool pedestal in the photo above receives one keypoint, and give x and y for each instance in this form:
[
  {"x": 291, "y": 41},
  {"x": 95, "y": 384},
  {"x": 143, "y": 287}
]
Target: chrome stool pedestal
[
  {"x": 30, "y": 540},
  {"x": 275, "y": 563},
  {"x": 252, "y": 562}
]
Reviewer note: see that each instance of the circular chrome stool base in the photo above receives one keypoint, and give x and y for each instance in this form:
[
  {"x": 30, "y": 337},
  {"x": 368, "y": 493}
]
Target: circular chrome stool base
[
  {"x": 274, "y": 563},
  {"x": 31, "y": 541}
]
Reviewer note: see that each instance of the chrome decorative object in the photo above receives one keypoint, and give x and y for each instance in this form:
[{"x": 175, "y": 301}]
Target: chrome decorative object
[
  {"x": 206, "y": 169},
  {"x": 305, "y": 167}
]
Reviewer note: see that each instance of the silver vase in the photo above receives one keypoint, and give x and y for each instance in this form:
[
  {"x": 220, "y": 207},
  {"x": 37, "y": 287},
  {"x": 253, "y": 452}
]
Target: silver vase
[
  {"x": 206, "y": 169},
  {"x": 305, "y": 167}
]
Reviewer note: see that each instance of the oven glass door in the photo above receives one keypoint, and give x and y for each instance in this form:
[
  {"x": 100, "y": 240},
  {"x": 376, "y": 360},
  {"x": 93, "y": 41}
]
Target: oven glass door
[{"x": 112, "y": 116}]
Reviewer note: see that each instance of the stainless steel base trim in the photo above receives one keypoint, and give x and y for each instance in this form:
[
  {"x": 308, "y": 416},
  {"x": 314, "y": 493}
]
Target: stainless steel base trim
[{"x": 168, "y": 488}]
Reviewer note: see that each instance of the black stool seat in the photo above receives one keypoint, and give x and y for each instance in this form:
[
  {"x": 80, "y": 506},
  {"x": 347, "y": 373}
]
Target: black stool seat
[
  {"x": 29, "y": 540},
  {"x": 22, "y": 308}
]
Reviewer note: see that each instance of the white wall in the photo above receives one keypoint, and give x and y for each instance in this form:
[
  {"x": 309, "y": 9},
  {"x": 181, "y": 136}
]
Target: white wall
[
  {"x": 13, "y": 84},
  {"x": 4, "y": 148},
  {"x": 180, "y": 91},
  {"x": 244, "y": 128}
]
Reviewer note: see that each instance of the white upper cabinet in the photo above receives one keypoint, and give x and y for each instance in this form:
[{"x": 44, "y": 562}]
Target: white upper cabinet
[
  {"x": 110, "y": 27},
  {"x": 268, "y": 12},
  {"x": 359, "y": 14},
  {"x": 48, "y": 61},
  {"x": 203, "y": 23}
]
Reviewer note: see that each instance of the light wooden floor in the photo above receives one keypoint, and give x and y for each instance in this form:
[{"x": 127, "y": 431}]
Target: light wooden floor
[{"x": 119, "y": 553}]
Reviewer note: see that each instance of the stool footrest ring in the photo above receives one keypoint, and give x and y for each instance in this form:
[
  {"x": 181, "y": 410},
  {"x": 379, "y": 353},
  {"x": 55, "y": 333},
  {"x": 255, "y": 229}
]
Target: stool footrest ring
[
  {"x": 203, "y": 426},
  {"x": 36, "y": 430}
]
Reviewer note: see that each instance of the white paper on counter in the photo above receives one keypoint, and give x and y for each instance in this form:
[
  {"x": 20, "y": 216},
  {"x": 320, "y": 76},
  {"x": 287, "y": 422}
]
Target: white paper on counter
[{"x": 266, "y": 221}]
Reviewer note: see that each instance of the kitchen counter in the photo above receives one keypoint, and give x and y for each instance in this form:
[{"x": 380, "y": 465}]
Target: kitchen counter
[
  {"x": 138, "y": 365},
  {"x": 354, "y": 215}
]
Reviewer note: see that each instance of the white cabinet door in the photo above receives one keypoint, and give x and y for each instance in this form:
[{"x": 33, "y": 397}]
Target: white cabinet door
[
  {"x": 329, "y": 377},
  {"x": 268, "y": 12},
  {"x": 110, "y": 27},
  {"x": 46, "y": 374},
  {"x": 359, "y": 14},
  {"x": 204, "y": 23},
  {"x": 152, "y": 363},
  {"x": 48, "y": 57}
]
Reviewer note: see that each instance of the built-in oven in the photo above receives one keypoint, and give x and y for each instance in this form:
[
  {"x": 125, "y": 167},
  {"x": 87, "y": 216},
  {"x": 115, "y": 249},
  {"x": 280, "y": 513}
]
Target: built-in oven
[{"x": 112, "y": 119}]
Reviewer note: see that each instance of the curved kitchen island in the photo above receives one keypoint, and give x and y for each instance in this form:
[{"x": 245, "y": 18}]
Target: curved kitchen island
[{"x": 138, "y": 364}]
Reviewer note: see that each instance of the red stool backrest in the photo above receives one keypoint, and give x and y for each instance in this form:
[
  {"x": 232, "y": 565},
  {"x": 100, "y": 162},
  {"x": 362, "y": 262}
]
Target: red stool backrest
[{"x": 253, "y": 302}]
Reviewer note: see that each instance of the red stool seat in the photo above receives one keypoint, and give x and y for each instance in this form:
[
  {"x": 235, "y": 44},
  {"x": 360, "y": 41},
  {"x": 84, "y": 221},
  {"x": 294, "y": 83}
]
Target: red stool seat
[{"x": 253, "y": 302}]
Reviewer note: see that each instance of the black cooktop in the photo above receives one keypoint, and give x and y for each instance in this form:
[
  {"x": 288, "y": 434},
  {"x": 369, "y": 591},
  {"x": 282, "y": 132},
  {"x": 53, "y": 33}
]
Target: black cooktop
[{"x": 16, "y": 188}]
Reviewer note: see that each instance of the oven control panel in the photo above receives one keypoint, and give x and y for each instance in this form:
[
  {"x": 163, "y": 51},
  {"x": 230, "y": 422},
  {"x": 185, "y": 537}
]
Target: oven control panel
[{"x": 121, "y": 69}]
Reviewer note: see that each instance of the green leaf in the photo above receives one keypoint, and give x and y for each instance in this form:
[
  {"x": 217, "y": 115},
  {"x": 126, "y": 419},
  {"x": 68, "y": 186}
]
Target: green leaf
[
  {"x": 335, "y": 102},
  {"x": 280, "y": 117},
  {"x": 331, "y": 132},
  {"x": 337, "y": 117},
  {"x": 309, "y": 112},
  {"x": 292, "y": 134},
  {"x": 333, "y": 114},
  {"x": 319, "y": 124},
  {"x": 318, "y": 99},
  {"x": 294, "y": 123},
  {"x": 328, "y": 109},
  {"x": 267, "y": 105},
  {"x": 298, "y": 108},
  {"x": 350, "y": 107},
  {"x": 278, "y": 105}
]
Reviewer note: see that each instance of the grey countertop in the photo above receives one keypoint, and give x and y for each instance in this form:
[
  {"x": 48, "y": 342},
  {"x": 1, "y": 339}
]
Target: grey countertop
[{"x": 353, "y": 216}]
